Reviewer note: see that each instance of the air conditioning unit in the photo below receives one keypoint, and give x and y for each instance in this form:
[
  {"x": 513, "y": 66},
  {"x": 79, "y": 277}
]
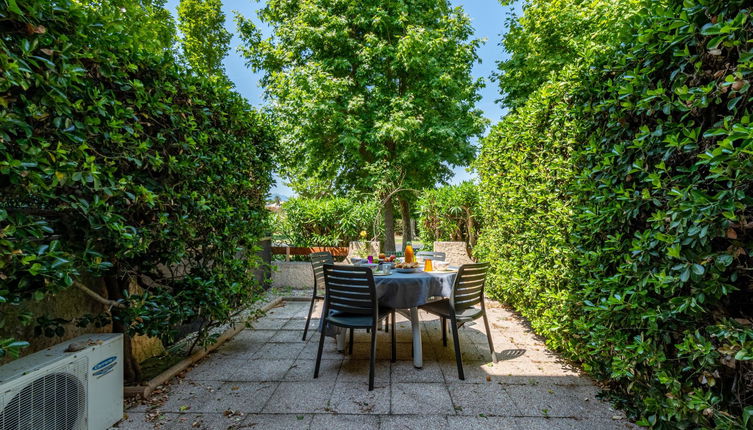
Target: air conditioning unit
[{"x": 76, "y": 385}]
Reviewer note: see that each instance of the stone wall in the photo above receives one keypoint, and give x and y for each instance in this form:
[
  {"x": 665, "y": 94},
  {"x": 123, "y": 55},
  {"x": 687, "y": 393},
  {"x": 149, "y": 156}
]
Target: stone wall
[
  {"x": 292, "y": 274},
  {"x": 457, "y": 252},
  {"x": 69, "y": 305}
]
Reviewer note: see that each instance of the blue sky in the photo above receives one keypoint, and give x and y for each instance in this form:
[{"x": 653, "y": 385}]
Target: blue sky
[{"x": 489, "y": 19}]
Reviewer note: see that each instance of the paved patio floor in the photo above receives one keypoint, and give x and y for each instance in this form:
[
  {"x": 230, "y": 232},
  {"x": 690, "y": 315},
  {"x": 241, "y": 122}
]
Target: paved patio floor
[{"x": 263, "y": 379}]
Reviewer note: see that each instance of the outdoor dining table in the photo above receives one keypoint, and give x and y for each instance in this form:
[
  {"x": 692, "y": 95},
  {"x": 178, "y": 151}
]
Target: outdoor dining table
[{"x": 405, "y": 292}]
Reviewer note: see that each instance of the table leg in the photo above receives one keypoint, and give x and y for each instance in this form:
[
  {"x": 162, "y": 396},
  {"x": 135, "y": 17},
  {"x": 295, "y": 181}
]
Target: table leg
[
  {"x": 340, "y": 338},
  {"x": 418, "y": 359}
]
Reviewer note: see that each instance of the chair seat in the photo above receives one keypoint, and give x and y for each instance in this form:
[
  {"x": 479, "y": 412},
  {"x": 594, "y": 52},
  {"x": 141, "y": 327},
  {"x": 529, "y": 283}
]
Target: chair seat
[
  {"x": 344, "y": 319},
  {"x": 442, "y": 308}
]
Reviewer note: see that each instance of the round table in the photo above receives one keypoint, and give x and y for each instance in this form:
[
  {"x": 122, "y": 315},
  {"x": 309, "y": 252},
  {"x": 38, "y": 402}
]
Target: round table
[{"x": 405, "y": 292}]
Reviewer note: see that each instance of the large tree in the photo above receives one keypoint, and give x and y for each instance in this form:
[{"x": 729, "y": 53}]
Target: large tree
[
  {"x": 375, "y": 95},
  {"x": 205, "y": 40}
]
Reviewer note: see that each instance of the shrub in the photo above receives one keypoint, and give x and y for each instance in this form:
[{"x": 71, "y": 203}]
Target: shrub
[
  {"x": 328, "y": 222},
  {"x": 120, "y": 166},
  {"x": 642, "y": 167},
  {"x": 449, "y": 213}
]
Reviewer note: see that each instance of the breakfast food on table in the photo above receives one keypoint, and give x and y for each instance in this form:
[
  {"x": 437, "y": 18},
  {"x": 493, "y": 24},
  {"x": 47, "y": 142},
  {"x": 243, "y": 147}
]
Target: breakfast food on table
[{"x": 412, "y": 265}]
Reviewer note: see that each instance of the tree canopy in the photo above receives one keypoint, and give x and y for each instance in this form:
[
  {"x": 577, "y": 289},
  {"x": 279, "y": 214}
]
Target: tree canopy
[
  {"x": 205, "y": 40},
  {"x": 541, "y": 46},
  {"x": 374, "y": 94}
]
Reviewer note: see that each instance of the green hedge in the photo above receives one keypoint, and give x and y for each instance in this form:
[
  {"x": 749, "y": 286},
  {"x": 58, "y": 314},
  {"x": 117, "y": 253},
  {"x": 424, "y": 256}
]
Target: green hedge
[
  {"x": 118, "y": 166},
  {"x": 328, "y": 222},
  {"x": 449, "y": 213},
  {"x": 618, "y": 202}
]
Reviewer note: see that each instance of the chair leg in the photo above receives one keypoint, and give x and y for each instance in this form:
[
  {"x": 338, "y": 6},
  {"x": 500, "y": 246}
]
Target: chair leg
[
  {"x": 350, "y": 344},
  {"x": 372, "y": 358},
  {"x": 319, "y": 353},
  {"x": 394, "y": 341},
  {"x": 456, "y": 342},
  {"x": 489, "y": 338},
  {"x": 387, "y": 323},
  {"x": 444, "y": 331},
  {"x": 308, "y": 319}
]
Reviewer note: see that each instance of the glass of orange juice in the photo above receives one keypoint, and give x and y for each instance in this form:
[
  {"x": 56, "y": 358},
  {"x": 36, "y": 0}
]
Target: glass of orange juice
[{"x": 427, "y": 265}]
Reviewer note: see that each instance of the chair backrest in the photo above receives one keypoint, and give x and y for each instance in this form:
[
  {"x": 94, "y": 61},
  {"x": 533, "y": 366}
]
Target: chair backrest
[
  {"x": 469, "y": 285},
  {"x": 436, "y": 256},
  {"x": 318, "y": 260},
  {"x": 350, "y": 289}
]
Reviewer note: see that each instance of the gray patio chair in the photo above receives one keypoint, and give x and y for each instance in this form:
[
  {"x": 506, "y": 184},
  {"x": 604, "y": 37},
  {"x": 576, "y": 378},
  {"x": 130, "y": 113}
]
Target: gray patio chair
[
  {"x": 318, "y": 260},
  {"x": 460, "y": 308},
  {"x": 435, "y": 256},
  {"x": 351, "y": 303}
]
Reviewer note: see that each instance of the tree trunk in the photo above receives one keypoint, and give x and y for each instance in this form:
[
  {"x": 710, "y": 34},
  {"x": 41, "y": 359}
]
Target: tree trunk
[
  {"x": 389, "y": 226},
  {"x": 407, "y": 221},
  {"x": 131, "y": 368}
]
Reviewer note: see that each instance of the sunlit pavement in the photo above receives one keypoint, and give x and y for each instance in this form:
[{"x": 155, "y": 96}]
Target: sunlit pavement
[{"x": 263, "y": 379}]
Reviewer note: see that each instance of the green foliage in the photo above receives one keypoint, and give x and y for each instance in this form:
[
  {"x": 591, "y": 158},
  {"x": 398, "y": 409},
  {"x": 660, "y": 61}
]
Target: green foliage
[
  {"x": 373, "y": 95},
  {"x": 618, "y": 207},
  {"x": 369, "y": 91},
  {"x": 525, "y": 167},
  {"x": 119, "y": 166},
  {"x": 540, "y": 47},
  {"x": 450, "y": 213},
  {"x": 327, "y": 222},
  {"x": 205, "y": 40}
]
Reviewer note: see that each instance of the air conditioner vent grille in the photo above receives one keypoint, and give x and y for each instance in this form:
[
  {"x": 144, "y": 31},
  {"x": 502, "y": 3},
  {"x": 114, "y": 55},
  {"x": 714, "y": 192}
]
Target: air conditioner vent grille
[{"x": 53, "y": 401}]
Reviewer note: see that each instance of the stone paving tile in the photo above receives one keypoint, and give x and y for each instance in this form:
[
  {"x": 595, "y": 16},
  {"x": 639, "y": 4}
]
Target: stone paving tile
[
  {"x": 269, "y": 323},
  {"x": 287, "y": 336},
  {"x": 277, "y": 421},
  {"x": 362, "y": 351},
  {"x": 300, "y": 397},
  {"x": 358, "y": 371},
  {"x": 408, "y": 422},
  {"x": 226, "y": 369},
  {"x": 527, "y": 423},
  {"x": 474, "y": 371},
  {"x": 263, "y": 378},
  {"x": 202, "y": 421},
  {"x": 300, "y": 324},
  {"x": 280, "y": 350},
  {"x": 187, "y": 392},
  {"x": 344, "y": 422},
  {"x": 559, "y": 401},
  {"x": 355, "y": 398},
  {"x": 329, "y": 350},
  {"x": 421, "y": 398},
  {"x": 288, "y": 311},
  {"x": 303, "y": 369},
  {"x": 245, "y": 397},
  {"x": 403, "y": 371},
  {"x": 134, "y": 421},
  {"x": 482, "y": 399}
]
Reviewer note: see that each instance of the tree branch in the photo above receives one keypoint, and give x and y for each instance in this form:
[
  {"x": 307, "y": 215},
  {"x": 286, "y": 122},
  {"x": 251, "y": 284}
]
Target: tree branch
[{"x": 97, "y": 298}]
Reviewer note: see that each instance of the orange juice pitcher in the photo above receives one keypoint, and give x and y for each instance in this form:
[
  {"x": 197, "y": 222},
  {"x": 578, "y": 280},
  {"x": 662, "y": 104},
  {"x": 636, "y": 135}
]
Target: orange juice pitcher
[{"x": 409, "y": 257}]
